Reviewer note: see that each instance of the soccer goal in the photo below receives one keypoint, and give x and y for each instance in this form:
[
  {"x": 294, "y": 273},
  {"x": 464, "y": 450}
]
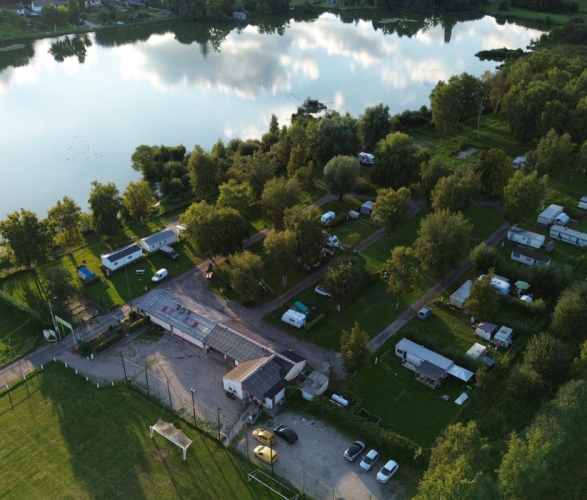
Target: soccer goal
[
  {"x": 273, "y": 484},
  {"x": 171, "y": 433}
]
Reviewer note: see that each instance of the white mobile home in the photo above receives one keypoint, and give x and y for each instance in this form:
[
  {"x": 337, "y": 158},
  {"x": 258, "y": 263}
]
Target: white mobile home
[
  {"x": 549, "y": 215},
  {"x": 154, "y": 242},
  {"x": 294, "y": 318},
  {"x": 458, "y": 298},
  {"x": 476, "y": 351},
  {"x": 583, "y": 203},
  {"x": 366, "y": 208},
  {"x": 504, "y": 336},
  {"x": 501, "y": 286},
  {"x": 415, "y": 354},
  {"x": 518, "y": 162},
  {"x": 120, "y": 258},
  {"x": 561, "y": 233},
  {"x": 529, "y": 257},
  {"x": 524, "y": 237},
  {"x": 485, "y": 330}
]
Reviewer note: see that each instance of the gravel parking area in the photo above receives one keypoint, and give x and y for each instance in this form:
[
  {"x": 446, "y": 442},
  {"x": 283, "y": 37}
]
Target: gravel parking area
[{"x": 319, "y": 451}]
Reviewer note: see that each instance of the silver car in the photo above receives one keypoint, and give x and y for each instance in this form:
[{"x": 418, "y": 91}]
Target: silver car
[
  {"x": 388, "y": 470},
  {"x": 369, "y": 460},
  {"x": 320, "y": 290}
]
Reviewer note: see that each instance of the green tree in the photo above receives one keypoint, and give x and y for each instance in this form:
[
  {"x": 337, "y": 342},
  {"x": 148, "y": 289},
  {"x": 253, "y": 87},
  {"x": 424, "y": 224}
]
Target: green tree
[
  {"x": 14, "y": 20},
  {"x": 549, "y": 357},
  {"x": 204, "y": 172},
  {"x": 455, "y": 100},
  {"x": 144, "y": 160},
  {"x": 305, "y": 178},
  {"x": 245, "y": 271},
  {"x": 59, "y": 282},
  {"x": 259, "y": 169},
  {"x": 65, "y": 218},
  {"x": 523, "y": 195},
  {"x": 278, "y": 196},
  {"x": 280, "y": 253},
  {"x": 442, "y": 240},
  {"x": 494, "y": 167},
  {"x": 482, "y": 301},
  {"x": 54, "y": 16},
  {"x": 29, "y": 238},
  {"x": 569, "y": 319},
  {"x": 579, "y": 369},
  {"x": 456, "y": 466},
  {"x": 484, "y": 257},
  {"x": 74, "y": 9},
  {"x": 105, "y": 203},
  {"x": 297, "y": 160},
  {"x": 341, "y": 175},
  {"x": 430, "y": 173},
  {"x": 553, "y": 155},
  {"x": 457, "y": 192},
  {"x": 345, "y": 279},
  {"x": 333, "y": 135},
  {"x": 391, "y": 208},
  {"x": 397, "y": 161},
  {"x": 353, "y": 349},
  {"x": 402, "y": 272},
  {"x": 237, "y": 196},
  {"x": 352, "y": 241},
  {"x": 306, "y": 225},
  {"x": 374, "y": 125},
  {"x": 274, "y": 125},
  {"x": 138, "y": 199}
]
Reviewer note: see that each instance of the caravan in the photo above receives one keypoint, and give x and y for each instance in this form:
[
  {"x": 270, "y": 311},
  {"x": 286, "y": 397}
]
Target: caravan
[
  {"x": 330, "y": 240},
  {"x": 294, "y": 318},
  {"x": 501, "y": 286}
]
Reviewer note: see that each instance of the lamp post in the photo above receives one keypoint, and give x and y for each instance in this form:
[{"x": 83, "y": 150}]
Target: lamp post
[
  {"x": 194, "y": 406},
  {"x": 128, "y": 287},
  {"x": 53, "y": 317}
]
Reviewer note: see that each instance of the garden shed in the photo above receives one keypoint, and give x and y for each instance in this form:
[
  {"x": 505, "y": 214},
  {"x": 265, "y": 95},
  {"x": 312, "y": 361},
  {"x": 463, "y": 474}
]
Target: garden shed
[
  {"x": 458, "y": 298},
  {"x": 367, "y": 208},
  {"x": 583, "y": 202},
  {"x": 485, "y": 330}
]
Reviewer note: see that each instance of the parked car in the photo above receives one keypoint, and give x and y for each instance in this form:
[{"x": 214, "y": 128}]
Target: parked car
[
  {"x": 369, "y": 460},
  {"x": 169, "y": 252},
  {"x": 388, "y": 470},
  {"x": 365, "y": 158},
  {"x": 424, "y": 313},
  {"x": 354, "y": 450},
  {"x": 159, "y": 275},
  {"x": 283, "y": 431},
  {"x": 266, "y": 454},
  {"x": 320, "y": 290},
  {"x": 264, "y": 436},
  {"x": 327, "y": 217}
]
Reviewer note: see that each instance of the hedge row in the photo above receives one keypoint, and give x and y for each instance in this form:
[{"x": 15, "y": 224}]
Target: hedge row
[
  {"x": 309, "y": 326},
  {"x": 107, "y": 343},
  {"x": 402, "y": 449},
  {"x": 339, "y": 219},
  {"x": 137, "y": 324}
]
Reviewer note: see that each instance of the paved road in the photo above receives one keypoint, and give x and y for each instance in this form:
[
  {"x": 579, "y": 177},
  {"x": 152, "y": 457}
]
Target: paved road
[{"x": 410, "y": 313}]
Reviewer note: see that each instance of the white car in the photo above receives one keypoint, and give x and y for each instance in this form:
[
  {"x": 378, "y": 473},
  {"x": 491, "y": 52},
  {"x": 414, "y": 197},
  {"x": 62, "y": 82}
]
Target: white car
[
  {"x": 365, "y": 158},
  {"x": 159, "y": 275},
  {"x": 388, "y": 470},
  {"x": 320, "y": 290},
  {"x": 369, "y": 460},
  {"x": 328, "y": 216}
]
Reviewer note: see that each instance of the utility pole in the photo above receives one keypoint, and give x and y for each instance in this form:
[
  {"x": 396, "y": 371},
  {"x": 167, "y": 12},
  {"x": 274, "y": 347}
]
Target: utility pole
[
  {"x": 128, "y": 287},
  {"x": 218, "y": 414},
  {"x": 53, "y": 318},
  {"x": 194, "y": 407}
]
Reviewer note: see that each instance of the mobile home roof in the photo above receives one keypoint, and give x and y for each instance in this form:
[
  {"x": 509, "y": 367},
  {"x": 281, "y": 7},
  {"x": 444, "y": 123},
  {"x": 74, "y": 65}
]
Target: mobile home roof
[{"x": 425, "y": 354}]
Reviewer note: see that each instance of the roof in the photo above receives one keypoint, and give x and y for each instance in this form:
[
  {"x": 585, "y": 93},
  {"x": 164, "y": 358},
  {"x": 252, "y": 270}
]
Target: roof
[
  {"x": 243, "y": 370},
  {"x": 41, "y": 3},
  {"x": 487, "y": 327},
  {"x": 269, "y": 379},
  {"x": 86, "y": 272},
  {"x": 460, "y": 373},
  {"x": 570, "y": 232},
  {"x": 367, "y": 204},
  {"x": 476, "y": 351},
  {"x": 583, "y": 199},
  {"x": 429, "y": 370},
  {"x": 504, "y": 332},
  {"x": 527, "y": 234},
  {"x": 315, "y": 383},
  {"x": 235, "y": 345},
  {"x": 292, "y": 356},
  {"x": 122, "y": 253},
  {"x": 551, "y": 212},
  {"x": 424, "y": 354},
  {"x": 301, "y": 307},
  {"x": 532, "y": 254},
  {"x": 464, "y": 291},
  {"x": 157, "y": 237}
]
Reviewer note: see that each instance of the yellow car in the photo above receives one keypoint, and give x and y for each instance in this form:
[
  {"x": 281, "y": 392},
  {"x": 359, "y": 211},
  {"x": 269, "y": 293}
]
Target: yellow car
[
  {"x": 265, "y": 437},
  {"x": 266, "y": 454}
]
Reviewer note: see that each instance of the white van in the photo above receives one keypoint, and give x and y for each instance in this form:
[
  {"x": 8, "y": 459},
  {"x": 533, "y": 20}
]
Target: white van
[
  {"x": 365, "y": 158},
  {"x": 294, "y": 318},
  {"x": 327, "y": 217},
  {"x": 330, "y": 240}
]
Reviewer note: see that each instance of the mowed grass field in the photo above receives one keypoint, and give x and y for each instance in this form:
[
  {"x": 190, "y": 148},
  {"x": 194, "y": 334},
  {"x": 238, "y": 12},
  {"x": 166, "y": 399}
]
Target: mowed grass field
[
  {"x": 73, "y": 441},
  {"x": 18, "y": 334}
]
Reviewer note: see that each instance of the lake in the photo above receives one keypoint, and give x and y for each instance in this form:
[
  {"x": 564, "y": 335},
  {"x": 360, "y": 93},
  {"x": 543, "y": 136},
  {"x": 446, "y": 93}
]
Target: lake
[{"x": 74, "y": 108}]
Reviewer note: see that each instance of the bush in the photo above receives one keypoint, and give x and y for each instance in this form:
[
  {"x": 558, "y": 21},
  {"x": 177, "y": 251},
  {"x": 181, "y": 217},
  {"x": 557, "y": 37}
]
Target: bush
[
  {"x": 535, "y": 307},
  {"x": 484, "y": 258},
  {"x": 133, "y": 314},
  {"x": 137, "y": 324},
  {"x": 339, "y": 219},
  {"x": 463, "y": 145},
  {"x": 107, "y": 343},
  {"x": 85, "y": 349},
  {"x": 312, "y": 324},
  {"x": 525, "y": 383},
  {"x": 110, "y": 327}
]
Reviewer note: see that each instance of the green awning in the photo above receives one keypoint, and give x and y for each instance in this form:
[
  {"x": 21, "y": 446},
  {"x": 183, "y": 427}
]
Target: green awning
[{"x": 522, "y": 285}]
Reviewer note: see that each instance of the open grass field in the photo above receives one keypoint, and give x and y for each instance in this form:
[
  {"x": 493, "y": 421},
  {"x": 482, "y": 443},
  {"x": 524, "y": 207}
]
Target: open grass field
[
  {"x": 71, "y": 440},
  {"x": 18, "y": 334}
]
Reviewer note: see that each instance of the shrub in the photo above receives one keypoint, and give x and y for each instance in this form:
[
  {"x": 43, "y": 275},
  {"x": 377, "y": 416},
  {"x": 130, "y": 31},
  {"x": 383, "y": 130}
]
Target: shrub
[
  {"x": 110, "y": 327},
  {"x": 339, "y": 219},
  {"x": 484, "y": 257},
  {"x": 312, "y": 324},
  {"x": 535, "y": 307},
  {"x": 119, "y": 330},
  {"x": 85, "y": 349},
  {"x": 137, "y": 324},
  {"x": 107, "y": 343},
  {"x": 133, "y": 314},
  {"x": 525, "y": 383},
  {"x": 463, "y": 145}
]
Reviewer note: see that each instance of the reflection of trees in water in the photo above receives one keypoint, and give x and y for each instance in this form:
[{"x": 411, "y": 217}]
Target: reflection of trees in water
[
  {"x": 16, "y": 58},
  {"x": 69, "y": 47}
]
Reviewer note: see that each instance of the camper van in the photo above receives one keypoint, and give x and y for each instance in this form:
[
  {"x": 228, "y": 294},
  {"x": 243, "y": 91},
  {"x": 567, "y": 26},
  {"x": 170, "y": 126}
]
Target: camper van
[
  {"x": 327, "y": 217},
  {"x": 294, "y": 318},
  {"x": 365, "y": 158},
  {"x": 330, "y": 240},
  {"x": 502, "y": 287}
]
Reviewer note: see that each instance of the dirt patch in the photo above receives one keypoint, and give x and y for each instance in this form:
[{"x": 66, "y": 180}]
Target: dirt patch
[{"x": 466, "y": 153}]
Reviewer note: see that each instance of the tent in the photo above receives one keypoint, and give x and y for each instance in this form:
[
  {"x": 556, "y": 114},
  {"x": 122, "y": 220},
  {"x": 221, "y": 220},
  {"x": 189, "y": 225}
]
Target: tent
[
  {"x": 461, "y": 399},
  {"x": 522, "y": 285},
  {"x": 171, "y": 433},
  {"x": 460, "y": 373},
  {"x": 476, "y": 351}
]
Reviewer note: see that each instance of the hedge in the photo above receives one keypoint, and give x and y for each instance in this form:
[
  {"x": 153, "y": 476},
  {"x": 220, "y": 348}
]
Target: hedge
[
  {"x": 315, "y": 321},
  {"x": 339, "y": 219},
  {"x": 107, "y": 343},
  {"x": 400, "y": 447},
  {"x": 137, "y": 324}
]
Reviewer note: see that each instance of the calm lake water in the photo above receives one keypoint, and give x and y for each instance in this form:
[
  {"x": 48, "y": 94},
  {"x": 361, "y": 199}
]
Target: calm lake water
[{"x": 73, "y": 109}]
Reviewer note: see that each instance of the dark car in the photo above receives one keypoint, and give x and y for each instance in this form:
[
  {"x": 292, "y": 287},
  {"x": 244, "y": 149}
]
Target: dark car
[
  {"x": 283, "y": 431},
  {"x": 169, "y": 252},
  {"x": 354, "y": 451}
]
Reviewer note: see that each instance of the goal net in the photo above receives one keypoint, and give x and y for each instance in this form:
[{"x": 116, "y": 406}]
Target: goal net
[{"x": 171, "y": 433}]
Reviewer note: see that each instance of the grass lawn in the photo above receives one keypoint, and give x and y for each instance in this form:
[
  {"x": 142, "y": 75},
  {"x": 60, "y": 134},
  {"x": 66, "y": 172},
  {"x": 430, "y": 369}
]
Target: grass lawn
[
  {"x": 485, "y": 220},
  {"x": 71, "y": 440},
  {"x": 18, "y": 334},
  {"x": 568, "y": 191}
]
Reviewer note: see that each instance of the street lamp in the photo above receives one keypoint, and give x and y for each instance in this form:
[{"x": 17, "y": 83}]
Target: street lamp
[{"x": 53, "y": 317}]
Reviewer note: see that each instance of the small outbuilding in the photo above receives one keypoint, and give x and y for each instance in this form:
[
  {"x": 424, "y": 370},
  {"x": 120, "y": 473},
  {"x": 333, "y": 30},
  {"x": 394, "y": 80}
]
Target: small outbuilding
[
  {"x": 240, "y": 16},
  {"x": 122, "y": 257},
  {"x": 485, "y": 330},
  {"x": 518, "y": 162},
  {"x": 367, "y": 208},
  {"x": 568, "y": 235},
  {"x": 583, "y": 203},
  {"x": 315, "y": 384},
  {"x": 16, "y": 7},
  {"x": 458, "y": 298},
  {"x": 500, "y": 285},
  {"x": 85, "y": 274},
  {"x": 37, "y": 5},
  {"x": 549, "y": 215},
  {"x": 504, "y": 337},
  {"x": 527, "y": 238},
  {"x": 529, "y": 257},
  {"x": 476, "y": 351},
  {"x": 158, "y": 240},
  {"x": 353, "y": 215}
]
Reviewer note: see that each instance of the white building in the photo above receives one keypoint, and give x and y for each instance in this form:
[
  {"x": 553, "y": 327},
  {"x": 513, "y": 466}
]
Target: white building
[
  {"x": 458, "y": 298},
  {"x": 37, "y": 5},
  {"x": 583, "y": 202},
  {"x": 154, "y": 242},
  {"x": 571, "y": 236},
  {"x": 549, "y": 215},
  {"x": 120, "y": 258},
  {"x": 527, "y": 238},
  {"x": 485, "y": 330},
  {"x": 518, "y": 162},
  {"x": 529, "y": 257},
  {"x": 16, "y": 7}
]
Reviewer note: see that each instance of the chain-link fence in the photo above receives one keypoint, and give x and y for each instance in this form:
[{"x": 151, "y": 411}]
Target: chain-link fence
[{"x": 20, "y": 390}]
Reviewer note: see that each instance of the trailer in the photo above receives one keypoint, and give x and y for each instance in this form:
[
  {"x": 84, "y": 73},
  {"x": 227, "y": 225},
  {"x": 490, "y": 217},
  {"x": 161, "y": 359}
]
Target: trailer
[
  {"x": 458, "y": 298},
  {"x": 571, "y": 236},
  {"x": 527, "y": 238},
  {"x": 549, "y": 215}
]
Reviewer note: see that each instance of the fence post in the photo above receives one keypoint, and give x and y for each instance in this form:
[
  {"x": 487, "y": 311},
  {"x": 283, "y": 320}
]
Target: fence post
[
  {"x": 27, "y": 387},
  {"x": 303, "y": 482},
  {"x": 123, "y": 367},
  {"x": 169, "y": 391},
  {"x": 194, "y": 407},
  {"x": 247, "y": 440},
  {"x": 218, "y": 415},
  {"x": 147, "y": 378},
  {"x": 10, "y": 397}
]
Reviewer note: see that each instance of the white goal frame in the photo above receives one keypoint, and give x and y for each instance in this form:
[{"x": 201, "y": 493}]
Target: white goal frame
[{"x": 254, "y": 475}]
